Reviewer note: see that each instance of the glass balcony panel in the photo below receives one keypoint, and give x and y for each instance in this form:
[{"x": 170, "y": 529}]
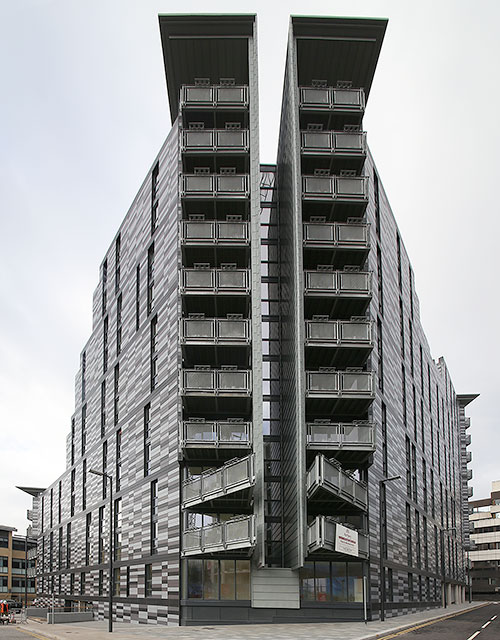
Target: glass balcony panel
[
  {"x": 199, "y": 231},
  {"x": 350, "y": 186},
  {"x": 232, "y": 329},
  {"x": 198, "y": 94},
  {"x": 352, "y": 233},
  {"x": 238, "y": 473},
  {"x": 316, "y": 96},
  {"x": 200, "y": 184},
  {"x": 356, "y": 382},
  {"x": 191, "y": 539},
  {"x": 212, "y": 536},
  {"x": 321, "y": 280},
  {"x": 355, "y": 331},
  {"x": 329, "y": 531},
  {"x": 198, "y": 278},
  {"x": 357, "y": 434},
  {"x": 199, "y": 380},
  {"x": 231, "y": 94},
  {"x": 238, "y": 530},
  {"x": 232, "y": 231},
  {"x": 231, "y": 184},
  {"x": 324, "y": 433},
  {"x": 233, "y": 432},
  {"x": 321, "y": 330},
  {"x": 323, "y": 381},
  {"x": 316, "y": 140},
  {"x": 332, "y": 475},
  {"x": 321, "y": 232},
  {"x": 200, "y": 431},
  {"x": 199, "y": 329},
  {"x": 318, "y": 184},
  {"x": 349, "y": 141},
  {"x": 231, "y": 139},
  {"x": 347, "y": 97},
  {"x": 347, "y": 485},
  {"x": 233, "y": 380},
  {"x": 198, "y": 138},
  {"x": 353, "y": 281},
  {"x": 192, "y": 490},
  {"x": 212, "y": 482},
  {"x": 232, "y": 279}
]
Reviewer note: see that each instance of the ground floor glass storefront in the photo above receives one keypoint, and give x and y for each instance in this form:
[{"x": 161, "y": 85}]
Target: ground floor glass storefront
[
  {"x": 211, "y": 579},
  {"x": 331, "y": 582}
]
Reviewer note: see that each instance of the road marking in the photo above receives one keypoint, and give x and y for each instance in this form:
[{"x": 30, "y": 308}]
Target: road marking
[
  {"x": 486, "y": 624},
  {"x": 493, "y": 617},
  {"x": 32, "y": 634},
  {"x": 474, "y": 635}
]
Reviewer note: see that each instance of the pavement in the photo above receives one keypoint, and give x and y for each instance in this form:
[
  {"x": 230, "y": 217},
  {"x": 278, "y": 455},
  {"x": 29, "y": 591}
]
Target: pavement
[{"x": 98, "y": 630}]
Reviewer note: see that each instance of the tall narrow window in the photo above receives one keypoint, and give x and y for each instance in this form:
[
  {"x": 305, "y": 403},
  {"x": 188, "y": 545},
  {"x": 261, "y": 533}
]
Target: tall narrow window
[
  {"x": 117, "y": 529},
  {"x": 422, "y": 425},
  {"x": 424, "y": 482},
  {"x": 383, "y": 515},
  {"x": 137, "y": 297},
  {"x": 118, "y": 244},
  {"x": 433, "y": 497},
  {"x": 104, "y": 468},
  {"x": 410, "y": 280},
  {"x": 59, "y": 504},
  {"x": 104, "y": 286},
  {"x": 84, "y": 373},
  {"x": 403, "y": 392},
  {"x": 429, "y": 385},
  {"x": 380, "y": 356},
  {"x": 408, "y": 467},
  {"x": 84, "y": 428},
  {"x": 421, "y": 371},
  {"x": 60, "y": 550},
  {"x": 384, "y": 441},
  {"x": 380, "y": 283},
  {"x": 398, "y": 249},
  {"x": 116, "y": 394},
  {"x": 148, "y": 581},
  {"x": 410, "y": 340},
  {"x": 426, "y": 542},
  {"x": 150, "y": 291},
  {"x": 51, "y": 508},
  {"x": 417, "y": 539},
  {"x": 105, "y": 347},
  {"x": 84, "y": 485},
  {"x": 415, "y": 422},
  {"x": 154, "y": 198},
  {"x": 402, "y": 328},
  {"x": 376, "y": 193},
  {"x": 154, "y": 353},
  {"x": 100, "y": 541},
  {"x": 103, "y": 408},
  {"x": 119, "y": 324},
  {"x": 72, "y": 441},
  {"x": 72, "y": 494},
  {"x": 154, "y": 517},
  {"x": 118, "y": 458},
  {"x": 408, "y": 535},
  {"x": 68, "y": 545},
  {"x": 88, "y": 538},
  {"x": 127, "y": 582},
  {"x": 414, "y": 472},
  {"x": 147, "y": 440}
]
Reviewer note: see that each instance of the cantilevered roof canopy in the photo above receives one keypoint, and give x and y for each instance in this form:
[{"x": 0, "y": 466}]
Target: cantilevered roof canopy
[
  {"x": 466, "y": 398},
  {"x": 204, "y": 46},
  {"x": 338, "y": 49},
  {"x": 33, "y": 491}
]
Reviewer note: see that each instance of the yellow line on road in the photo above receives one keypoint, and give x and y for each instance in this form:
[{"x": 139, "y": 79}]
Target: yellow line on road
[
  {"x": 427, "y": 624},
  {"x": 32, "y": 634}
]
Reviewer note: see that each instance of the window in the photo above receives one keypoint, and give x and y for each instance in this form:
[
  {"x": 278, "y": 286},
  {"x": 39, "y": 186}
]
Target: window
[
  {"x": 390, "y": 585},
  {"x": 117, "y": 529},
  {"x": 104, "y": 468},
  {"x": 119, "y": 324},
  {"x": 101, "y": 536},
  {"x": 329, "y": 582},
  {"x": 154, "y": 517},
  {"x": 383, "y": 515},
  {"x": 408, "y": 535},
  {"x": 147, "y": 440},
  {"x": 71, "y": 583},
  {"x": 380, "y": 356},
  {"x": 59, "y": 504},
  {"x": 380, "y": 282},
  {"x": 116, "y": 581},
  {"x": 84, "y": 485},
  {"x": 118, "y": 466},
  {"x": 148, "y": 581},
  {"x": 68, "y": 545},
  {"x": 116, "y": 397},
  {"x": 424, "y": 482},
  {"x": 403, "y": 392},
  {"x": 104, "y": 286},
  {"x": 118, "y": 244},
  {"x": 154, "y": 198},
  {"x": 105, "y": 348},
  {"x": 88, "y": 538},
  {"x": 154, "y": 353},
  {"x": 101, "y": 582},
  {"x": 402, "y": 327},
  {"x": 414, "y": 471},
  {"x": 216, "y": 579},
  {"x": 103, "y": 408},
  {"x": 408, "y": 467},
  {"x": 150, "y": 274},
  {"x": 385, "y": 461},
  {"x": 83, "y": 367},
  {"x": 417, "y": 539},
  {"x": 137, "y": 297},
  {"x": 410, "y": 586},
  {"x": 426, "y": 543},
  {"x": 51, "y": 551},
  {"x": 376, "y": 195},
  {"x": 127, "y": 582},
  {"x": 51, "y": 508},
  {"x": 72, "y": 497},
  {"x": 398, "y": 249},
  {"x": 72, "y": 449},
  {"x": 84, "y": 428}
]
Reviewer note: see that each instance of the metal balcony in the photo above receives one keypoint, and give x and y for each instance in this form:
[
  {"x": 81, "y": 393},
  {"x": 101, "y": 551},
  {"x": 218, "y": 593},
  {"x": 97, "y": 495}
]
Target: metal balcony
[
  {"x": 330, "y": 98},
  {"x": 210, "y": 331},
  {"x": 468, "y": 456},
  {"x": 334, "y": 142},
  {"x": 338, "y": 283},
  {"x": 215, "y": 140},
  {"x": 340, "y": 333},
  {"x": 214, "y": 96},
  {"x": 330, "y": 487},
  {"x": 31, "y": 514},
  {"x": 470, "y": 492},
  {"x": 336, "y": 235},
  {"x": 232, "y": 535},
  {"x": 219, "y": 382},
  {"x": 346, "y": 441},
  {"x": 469, "y": 474},
  {"x": 467, "y": 440},
  {"x": 206, "y": 185},
  {"x": 201, "y": 232},
  {"x": 350, "y": 189},
  {"x": 340, "y": 383},
  {"x": 218, "y": 439},
  {"x": 215, "y": 281},
  {"x": 467, "y": 422},
  {"x": 322, "y": 536},
  {"x": 228, "y": 486}
]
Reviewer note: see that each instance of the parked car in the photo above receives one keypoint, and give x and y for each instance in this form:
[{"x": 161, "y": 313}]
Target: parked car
[{"x": 14, "y": 606}]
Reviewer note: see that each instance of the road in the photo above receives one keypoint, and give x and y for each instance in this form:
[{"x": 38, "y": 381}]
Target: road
[{"x": 479, "y": 624}]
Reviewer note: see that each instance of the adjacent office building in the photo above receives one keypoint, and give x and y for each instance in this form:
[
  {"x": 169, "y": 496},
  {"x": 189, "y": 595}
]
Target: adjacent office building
[
  {"x": 257, "y": 373},
  {"x": 485, "y": 552},
  {"x": 17, "y": 565}
]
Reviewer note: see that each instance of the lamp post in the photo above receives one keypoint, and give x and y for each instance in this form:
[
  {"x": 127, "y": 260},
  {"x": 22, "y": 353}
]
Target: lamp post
[
  {"x": 443, "y": 564},
  {"x": 382, "y": 504},
  {"x": 108, "y": 477},
  {"x": 26, "y": 570}
]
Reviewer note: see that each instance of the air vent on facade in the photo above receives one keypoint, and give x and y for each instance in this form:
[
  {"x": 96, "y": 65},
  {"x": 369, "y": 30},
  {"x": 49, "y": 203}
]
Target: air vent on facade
[
  {"x": 196, "y": 316},
  {"x": 231, "y": 217},
  {"x": 319, "y": 83},
  {"x": 201, "y": 170},
  {"x": 229, "y": 367},
  {"x": 344, "y": 84},
  {"x": 234, "y": 316},
  {"x": 202, "y": 367},
  {"x": 317, "y": 219},
  {"x": 228, "y": 266},
  {"x": 202, "y": 82},
  {"x": 327, "y": 369},
  {"x": 355, "y": 221},
  {"x": 227, "y": 82},
  {"x": 232, "y": 126},
  {"x": 322, "y": 421},
  {"x": 352, "y": 127},
  {"x": 196, "y": 419},
  {"x": 227, "y": 171},
  {"x": 325, "y": 267},
  {"x": 348, "y": 173},
  {"x": 197, "y": 216},
  {"x": 356, "y": 369},
  {"x": 235, "y": 420},
  {"x": 351, "y": 267},
  {"x": 321, "y": 172},
  {"x": 201, "y": 265},
  {"x": 314, "y": 127},
  {"x": 359, "y": 318},
  {"x": 321, "y": 318},
  {"x": 193, "y": 126}
]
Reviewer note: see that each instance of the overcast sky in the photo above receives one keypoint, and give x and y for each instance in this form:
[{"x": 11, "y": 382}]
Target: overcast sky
[{"x": 83, "y": 112}]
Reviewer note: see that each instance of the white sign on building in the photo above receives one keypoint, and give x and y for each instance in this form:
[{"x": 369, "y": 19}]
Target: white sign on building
[{"x": 346, "y": 540}]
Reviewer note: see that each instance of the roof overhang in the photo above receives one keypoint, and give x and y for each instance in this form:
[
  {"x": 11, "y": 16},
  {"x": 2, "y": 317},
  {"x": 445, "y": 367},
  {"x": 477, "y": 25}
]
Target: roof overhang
[
  {"x": 33, "y": 491},
  {"x": 338, "y": 49},
  {"x": 464, "y": 399},
  {"x": 204, "y": 46}
]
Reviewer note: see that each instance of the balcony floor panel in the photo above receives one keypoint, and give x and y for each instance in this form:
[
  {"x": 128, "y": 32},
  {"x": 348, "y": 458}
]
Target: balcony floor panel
[
  {"x": 343, "y": 209},
  {"x": 235, "y": 502},
  {"x": 216, "y": 254},
  {"x": 335, "y": 256},
  {"x": 349, "y": 457},
  {"x": 323, "y": 501},
  {"x": 216, "y": 355},
  {"x": 334, "y": 306},
  {"x": 332, "y": 120},
  {"x": 342, "y": 408},
  {"x": 328, "y": 554},
  {"x": 329, "y": 210},
  {"x": 204, "y": 454},
  {"x": 214, "y": 306},
  {"x": 335, "y": 162},
  {"x": 239, "y": 551},
  {"x": 219, "y": 406},
  {"x": 331, "y": 355}
]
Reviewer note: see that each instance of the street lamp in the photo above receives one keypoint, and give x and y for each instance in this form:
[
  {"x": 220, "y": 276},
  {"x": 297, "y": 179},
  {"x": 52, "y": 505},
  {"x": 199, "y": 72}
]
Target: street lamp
[
  {"x": 443, "y": 564},
  {"x": 108, "y": 477},
  {"x": 383, "y": 523}
]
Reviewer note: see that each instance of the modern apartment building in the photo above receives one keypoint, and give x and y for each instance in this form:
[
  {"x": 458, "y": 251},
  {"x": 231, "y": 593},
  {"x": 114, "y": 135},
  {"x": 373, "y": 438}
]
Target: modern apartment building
[
  {"x": 257, "y": 373},
  {"x": 485, "y": 552},
  {"x": 15, "y": 552}
]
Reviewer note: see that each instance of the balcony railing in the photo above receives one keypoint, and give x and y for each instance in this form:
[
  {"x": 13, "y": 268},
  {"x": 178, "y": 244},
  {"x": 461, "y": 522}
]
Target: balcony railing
[
  {"x": 206, "y": 185},
  {"x": 221, "y": 433},
  {"x": 339, "y": 332},
  {"x": 215, "y": 281},
  {"x": 341, "y": 435},
  {"x": 211, "y": 232},
  {"x": 216, "y": 382},
  {"x": 337, "y": 234},
  {"x": 214, "y": 96},
  {"x": 468, "y": 440},
  {"x": 470, "y": 492},
  {"x": 338, "y": 384},
  {"x": 350, "y": 188},
  {"x": 329, "y": 475},
  {"x": 215, "y": 331},
  {"x": 321, "y": 536},
  {"x": 332, "y": 98},
  {"x": 338, "y": 283},
  {"x": 467, "y": 422},
  {"x": 31, "y": 514},
  {"x": 234, "y": 476},
  {"x": 469, "y": 474},
  {"x": 337, "y": 142},
  {"x": 213, "y": 140},
  {"x": 238, "y": 533}
]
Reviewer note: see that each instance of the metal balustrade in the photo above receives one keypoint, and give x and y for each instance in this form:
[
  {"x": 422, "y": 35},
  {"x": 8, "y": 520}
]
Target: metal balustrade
[
  {"x": 233, "y": 476},
  {"x": 337, "y": 142},
  {"x": 219, "y": 433},
  {"x": 341, "y": 435},
  {"x": 352, "y": 188},
  {"x": 213, "y": 140},
  {"x": 214, "y": 96},
  {"x": 467, "y": 422},
  {"x": 215, "y": 281},
  {"x": 213, "y": 232},
  {"x": 469, "y": 474},
  {"x": 339, "y": 332},
  {"x": 340, "y": 384},
  {"x": 216, "y": 382},
  {"x": 468, "y": 440},
  {"x": 325, "y": 282},
  {"x": 468, "y": 456},
  {"x": 332, "y": 98},
  {"x": 337, "y": 234},
  {"x": 329, "y": 475},
  {"x": 238, "y": 533},
  {"x": 215, "y": 331},
  {"x": 207, "y": 185},
  {"x": 321, "y": 536}
]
